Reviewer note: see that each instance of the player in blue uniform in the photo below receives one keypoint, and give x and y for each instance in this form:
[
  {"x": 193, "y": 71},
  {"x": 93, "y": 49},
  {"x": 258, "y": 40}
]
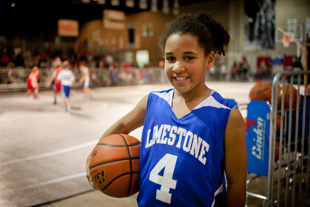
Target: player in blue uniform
[
  {"x": 192, "y": 137},
  {"x": 67, "y": 78}
]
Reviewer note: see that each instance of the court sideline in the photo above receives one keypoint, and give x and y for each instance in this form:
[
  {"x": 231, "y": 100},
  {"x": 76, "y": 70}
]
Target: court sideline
[{"x": 43, "y": 149}]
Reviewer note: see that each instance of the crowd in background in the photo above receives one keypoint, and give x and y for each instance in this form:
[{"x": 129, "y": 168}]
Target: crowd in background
[
  {"x": 240, "y": 70},
  {"x": 11, "y": 57},
  {"x": 106, "y": 69}
]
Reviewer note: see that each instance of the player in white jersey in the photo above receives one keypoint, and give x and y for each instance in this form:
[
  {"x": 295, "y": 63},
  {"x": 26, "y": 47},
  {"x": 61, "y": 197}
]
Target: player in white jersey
[
  {"x": 192, "y": 137},
  {"x": 85, "y": 79},
  {"x": 66, "y": 77}
]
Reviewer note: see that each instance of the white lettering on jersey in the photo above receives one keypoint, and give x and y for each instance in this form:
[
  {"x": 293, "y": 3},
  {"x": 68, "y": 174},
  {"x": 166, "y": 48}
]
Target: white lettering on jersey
[{"x": 167, "y": 134}]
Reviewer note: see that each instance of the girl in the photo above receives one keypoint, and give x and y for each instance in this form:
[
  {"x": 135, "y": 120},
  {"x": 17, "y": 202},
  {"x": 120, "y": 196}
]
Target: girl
[{"x": 192, "y": 137}]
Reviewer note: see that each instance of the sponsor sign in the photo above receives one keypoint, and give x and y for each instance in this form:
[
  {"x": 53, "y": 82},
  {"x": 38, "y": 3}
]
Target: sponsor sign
[
  {"x": 68, "y": 28},
  {"x": 113, "y": 19},
  {"x": 257, "y": 137}
]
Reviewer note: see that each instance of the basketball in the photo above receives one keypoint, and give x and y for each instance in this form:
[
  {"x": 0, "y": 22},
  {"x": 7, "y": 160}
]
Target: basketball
[
  {"x": 261, "y": 91},
  {"x": 114, "y": 166},
  {"x": 287, "y": 94}
]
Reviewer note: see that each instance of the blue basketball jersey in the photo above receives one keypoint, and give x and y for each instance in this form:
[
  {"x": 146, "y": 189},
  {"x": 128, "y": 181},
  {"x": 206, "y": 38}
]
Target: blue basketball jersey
[{"x": 182, "y": 159}]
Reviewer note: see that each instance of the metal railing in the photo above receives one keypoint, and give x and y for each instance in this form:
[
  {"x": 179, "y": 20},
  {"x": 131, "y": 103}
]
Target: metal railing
[{"x": 288, "y": 177}]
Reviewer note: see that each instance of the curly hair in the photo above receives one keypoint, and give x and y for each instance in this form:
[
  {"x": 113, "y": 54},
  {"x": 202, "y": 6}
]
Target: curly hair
[{"x": 212, "y": 36}]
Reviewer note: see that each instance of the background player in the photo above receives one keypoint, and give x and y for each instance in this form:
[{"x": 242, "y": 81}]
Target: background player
[
  {"x": 56, "y": 84},
  {"x": 32, "y": 82},
  {"x": 192, "y": 137},
  {"x": 85, "y": 79},
  {"x": 66, "y": 77}
]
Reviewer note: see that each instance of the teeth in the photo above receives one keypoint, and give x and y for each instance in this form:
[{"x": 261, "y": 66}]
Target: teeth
[{"x": 180, "y": 78}]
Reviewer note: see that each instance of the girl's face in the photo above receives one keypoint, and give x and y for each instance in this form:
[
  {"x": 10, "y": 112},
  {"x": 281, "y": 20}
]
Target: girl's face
[{"x": 186, "y": 63}]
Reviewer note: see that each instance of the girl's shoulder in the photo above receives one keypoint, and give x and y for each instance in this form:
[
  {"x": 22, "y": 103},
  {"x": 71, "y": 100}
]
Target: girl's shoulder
[
  {"x": 220, "y": 99},
  {"x": 167, "y": 95},
  {"x": 171, "y": 90},
  {"x": 163, "y": 93}
]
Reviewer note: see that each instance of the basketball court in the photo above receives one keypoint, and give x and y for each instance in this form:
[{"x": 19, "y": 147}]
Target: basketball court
[{"x": 44, "y": 149}]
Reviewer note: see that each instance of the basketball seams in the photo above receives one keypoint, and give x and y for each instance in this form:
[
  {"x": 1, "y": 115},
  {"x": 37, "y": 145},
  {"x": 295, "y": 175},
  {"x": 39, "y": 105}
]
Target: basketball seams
[
  {"x": 130, "y": 162},
  {"x": 112, "y": 161},
  {"x": 131, "y": 173},
  {"x": 110, "y": 145}
]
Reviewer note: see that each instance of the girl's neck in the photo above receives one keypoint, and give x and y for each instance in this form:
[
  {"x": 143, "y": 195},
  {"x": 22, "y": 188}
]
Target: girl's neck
[
  {"x": 195, "y": 95},
  {"x": 183, "y": 104}
]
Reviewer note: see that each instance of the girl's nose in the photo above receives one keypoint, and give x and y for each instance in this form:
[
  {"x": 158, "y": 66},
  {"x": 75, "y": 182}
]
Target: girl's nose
[{"x": 178, "y": 67}]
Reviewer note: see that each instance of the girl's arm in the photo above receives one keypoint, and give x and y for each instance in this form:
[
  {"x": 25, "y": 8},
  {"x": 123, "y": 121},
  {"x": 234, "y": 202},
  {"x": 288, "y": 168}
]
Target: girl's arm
[
  {"x": 50, "y": 81},
  {"x": 82, "y": 78},
  {"x": 235, "y": 159},
  {"x": 131, "y": 121}
]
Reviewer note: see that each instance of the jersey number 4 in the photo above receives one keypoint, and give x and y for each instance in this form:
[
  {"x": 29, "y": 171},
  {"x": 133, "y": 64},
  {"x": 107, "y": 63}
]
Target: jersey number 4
[{"x": 167, "y": 163}]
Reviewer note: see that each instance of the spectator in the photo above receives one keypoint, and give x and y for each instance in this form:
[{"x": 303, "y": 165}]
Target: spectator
[
  {"x": 212, "y": 72},
  {"x": 4, "y": 76},
  {"x": 28, "y": 59},
  {"x": 4, "y": 61},
  {"x": 245, "y": 69},
  {"x": 14, "y": 77},
  {"x": 109, "y": 59},
  {"x": 56, "y": 62},
  {"x": 233, "y": 75},
  {"x": 223, "y": 71},
  {"x": 20, "y": 62}
]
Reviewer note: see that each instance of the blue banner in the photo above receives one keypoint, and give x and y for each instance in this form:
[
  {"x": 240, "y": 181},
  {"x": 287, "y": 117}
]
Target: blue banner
[{"x": 257, "y": 137}]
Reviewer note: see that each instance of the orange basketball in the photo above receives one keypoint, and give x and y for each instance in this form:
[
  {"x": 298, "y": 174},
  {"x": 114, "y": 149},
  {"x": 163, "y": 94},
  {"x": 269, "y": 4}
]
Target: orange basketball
[
  {"x": 261, "y": 91},
  {"x": 114, "y": 165},
  {"x": 287, "y": 95}
]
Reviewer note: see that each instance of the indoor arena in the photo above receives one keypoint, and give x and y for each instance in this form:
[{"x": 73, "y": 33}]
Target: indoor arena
[{"x": 73, "y": 72}]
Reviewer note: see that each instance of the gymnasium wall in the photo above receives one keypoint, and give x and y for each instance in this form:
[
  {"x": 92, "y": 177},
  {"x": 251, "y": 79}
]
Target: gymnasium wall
[{"x": 230, "y": 12}]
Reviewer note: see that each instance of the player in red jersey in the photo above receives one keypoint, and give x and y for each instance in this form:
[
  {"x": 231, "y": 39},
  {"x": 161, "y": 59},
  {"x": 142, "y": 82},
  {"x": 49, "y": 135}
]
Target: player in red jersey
[
  {"x": 32, "y": 82},
  {"x": 56, "y": 84}
]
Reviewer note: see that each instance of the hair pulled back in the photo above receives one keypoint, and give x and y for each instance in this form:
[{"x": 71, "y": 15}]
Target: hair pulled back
[{"x": 212, "y": 36}]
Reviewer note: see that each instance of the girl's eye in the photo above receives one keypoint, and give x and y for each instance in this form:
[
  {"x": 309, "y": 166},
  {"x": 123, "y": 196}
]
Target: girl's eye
[
  {"x": 170, "y": 58},
  {"x": 188, "y": 58}
]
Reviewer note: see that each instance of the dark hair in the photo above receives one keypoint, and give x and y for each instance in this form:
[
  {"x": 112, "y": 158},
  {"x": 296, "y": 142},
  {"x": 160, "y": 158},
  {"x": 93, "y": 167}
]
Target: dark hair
[
  {"x": 212, "y": 36},
  {"x": 83, "y": 63},
  {"x": 66, "y": 64}
]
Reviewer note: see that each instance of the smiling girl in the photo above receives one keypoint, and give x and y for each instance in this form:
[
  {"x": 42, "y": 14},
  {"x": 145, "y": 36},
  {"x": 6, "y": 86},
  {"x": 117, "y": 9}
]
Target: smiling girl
[{"x": 193, "y": 139}]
